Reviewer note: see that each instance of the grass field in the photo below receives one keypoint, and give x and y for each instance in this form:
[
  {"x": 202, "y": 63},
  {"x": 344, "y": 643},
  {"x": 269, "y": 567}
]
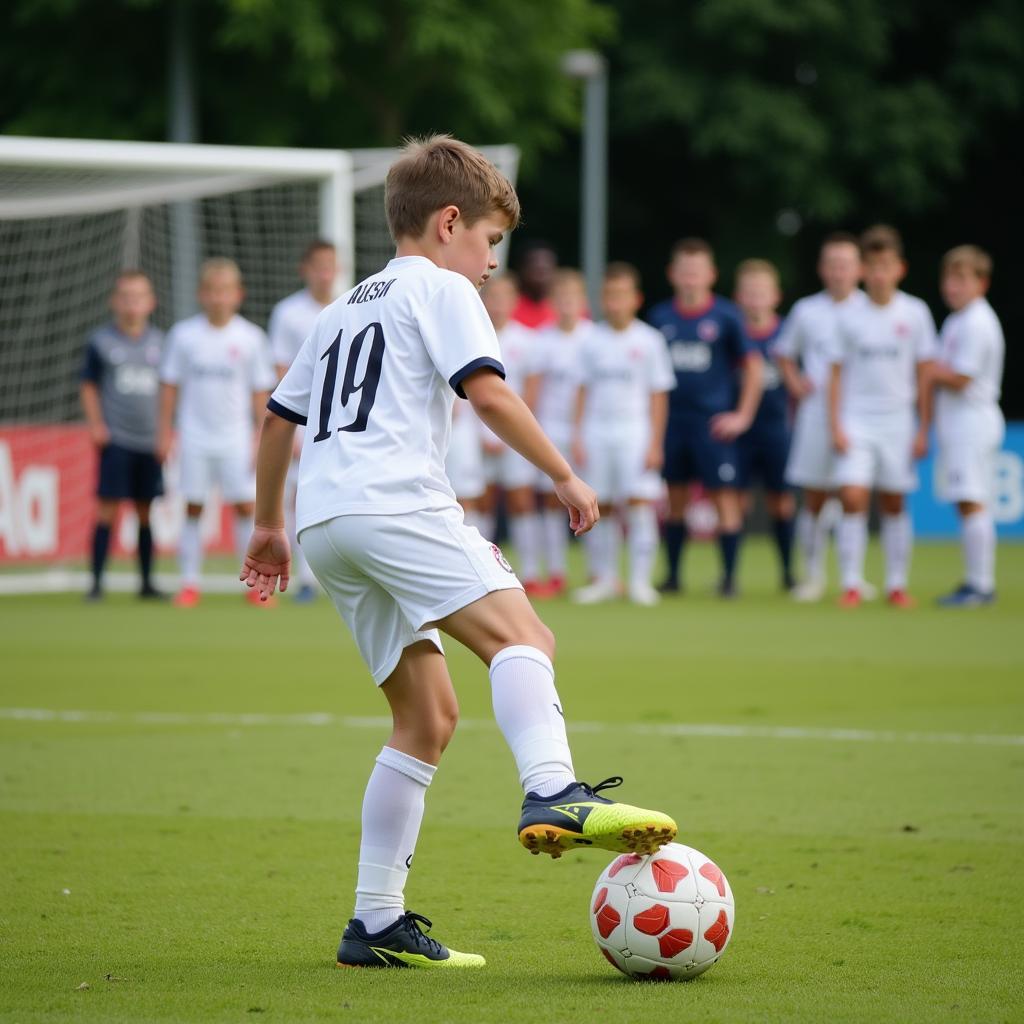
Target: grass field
[{"x": 187, "y": 848}]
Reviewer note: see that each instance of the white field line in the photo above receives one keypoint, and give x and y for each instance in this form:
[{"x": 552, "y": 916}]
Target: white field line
[{"x": 690, "y": 729}]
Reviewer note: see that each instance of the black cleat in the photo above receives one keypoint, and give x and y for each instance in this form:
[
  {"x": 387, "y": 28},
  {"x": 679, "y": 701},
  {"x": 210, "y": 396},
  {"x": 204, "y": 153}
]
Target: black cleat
[{"x": 404, "y": 944}]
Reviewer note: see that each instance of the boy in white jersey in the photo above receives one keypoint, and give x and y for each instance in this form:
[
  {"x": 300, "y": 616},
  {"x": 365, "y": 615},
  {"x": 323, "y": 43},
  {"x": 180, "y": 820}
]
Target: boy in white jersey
[
  {"x": 291, "y": 323},
  {"x": 626, "y": 375},
  {"x": 376, "y": 382},
  {"x": 218, "y": 364},
  {"x": 969, "y": 425},
  {"x": 551, "y": 391},
  {"x": 880, "y": 363},
  {"x": 802, "y": 352},
  {"x": 504, "y": 468}
]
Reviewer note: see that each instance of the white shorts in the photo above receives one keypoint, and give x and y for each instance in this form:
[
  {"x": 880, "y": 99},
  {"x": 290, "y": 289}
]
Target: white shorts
[
  {"x": 508, "y": 469},
  {"x": 615, "y": 466},
  {"x": 389, "y": 576},
  {"x": 965, "y": 469},
  {"x": 811, "y": 455},
  {"x": 880, "y": 454},
  {"x": 464, "y": 463},
  {"x": 230, "y": 472}
]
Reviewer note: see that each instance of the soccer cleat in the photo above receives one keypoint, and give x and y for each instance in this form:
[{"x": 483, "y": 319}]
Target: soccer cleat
[
  {"x": 966, "y": 596},
  {"x": 577, "y": 816},
  {"x": 643, "y": 594},
  {"x": 149, "y": 593},
  {"x": 851, "y": 598},
  {"x": 899, "y": 598},
  {"x": 536, "y": 589},
  {"x": 670, "y": 586},
  {"x": 556, "y": 586},
  {"x": 808, "y": 592},
  {"x": 187, "y": 597},
  {"x": 596, "y": 592},
  {"x": 404, "y": 944},
  {"x": 93, "y": 595},
  {"x": 727, "y": 589}
]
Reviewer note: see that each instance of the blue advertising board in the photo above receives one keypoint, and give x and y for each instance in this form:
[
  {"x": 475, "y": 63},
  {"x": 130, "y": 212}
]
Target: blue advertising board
[{"x": 933, "y": 518}]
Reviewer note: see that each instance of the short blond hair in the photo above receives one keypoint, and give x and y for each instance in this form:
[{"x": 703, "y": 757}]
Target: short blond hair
[
  {"x": 968, "y": 257},
  {"x": 441, "y": 171},
  {"x": 216, "y": 265},
  {"x": 620, "y": 270},
  {"x": 758, "y": 266}
]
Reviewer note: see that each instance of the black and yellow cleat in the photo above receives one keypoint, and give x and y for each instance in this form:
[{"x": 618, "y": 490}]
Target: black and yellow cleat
[
  {"x": 579, "y": 817},
  {"x": 404, "y": 944}
]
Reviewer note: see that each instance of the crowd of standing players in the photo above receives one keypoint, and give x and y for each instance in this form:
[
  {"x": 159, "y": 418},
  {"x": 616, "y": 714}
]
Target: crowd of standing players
[{"x": 705, "y": 397}]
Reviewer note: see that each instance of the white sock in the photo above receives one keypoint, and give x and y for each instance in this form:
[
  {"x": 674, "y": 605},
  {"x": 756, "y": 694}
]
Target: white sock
[
  {"x": 485, "y": 524},
  {"x": 643, "y": 543},
  {"x": 556, "y": 540},
  {"x": 392, "y": 813},
  {"x": 592, "y": 547},
  {"x": 190, "y": 552},
  {"x": 851, "y": 543},
  {"x": 897, "y": 543},
  {"x": 529, "y": 713},
  {"x": 243, "y": 531},
  {"x": 979, "y": 548},
  {"x": 525, "y": 531},
  {"x": 812, "y": 536}
]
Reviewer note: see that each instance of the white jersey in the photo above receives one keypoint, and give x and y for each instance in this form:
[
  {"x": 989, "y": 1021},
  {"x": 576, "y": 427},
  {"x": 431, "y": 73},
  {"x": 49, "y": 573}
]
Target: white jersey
[
  {"x": 879, "y": 348},
  {"x": 808, "y": 337},
  {"x": 376, "y": 380},
  {"x": 217, "y": 370},
  {"x": 291, "y": 323},
  {"x": 559, "y": 361},
  {"x": 517, "y": 345},
  {"x": 621, "y": 370},
  {"x": 971, "y": 343}
]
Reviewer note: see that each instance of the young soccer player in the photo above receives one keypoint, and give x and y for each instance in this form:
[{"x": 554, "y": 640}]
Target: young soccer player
[
  {"x": 118, "y": 391},
  {"x": 505, "y": 469},
  {"x": 218, "y": 363},
  {"x": 551, "y": 390},
  {"x": 536, "y": 270},
  {"x": 802, "y": 351},
  {"x": 969, "y": 425},
  {"x": 718, "y": 387},
  {"x": 882, "y": 353},
  {"x": 291, "y": 322},
  {"x": 764, "y": 448},
  {"x": 379, "y": 522},
  {"x": 625, "y": 377}
]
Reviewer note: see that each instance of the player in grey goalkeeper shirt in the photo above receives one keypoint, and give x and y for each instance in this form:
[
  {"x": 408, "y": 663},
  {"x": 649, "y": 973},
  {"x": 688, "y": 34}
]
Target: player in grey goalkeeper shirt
[{"x": 119, "y": 387}]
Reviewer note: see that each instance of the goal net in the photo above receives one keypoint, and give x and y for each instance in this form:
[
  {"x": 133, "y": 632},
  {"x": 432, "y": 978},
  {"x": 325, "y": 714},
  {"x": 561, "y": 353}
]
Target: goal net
[{"x": 74, "y": 213}]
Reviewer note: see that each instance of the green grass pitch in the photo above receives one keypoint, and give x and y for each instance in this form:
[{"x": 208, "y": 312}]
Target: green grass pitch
[{"x": 186, "y": 862}]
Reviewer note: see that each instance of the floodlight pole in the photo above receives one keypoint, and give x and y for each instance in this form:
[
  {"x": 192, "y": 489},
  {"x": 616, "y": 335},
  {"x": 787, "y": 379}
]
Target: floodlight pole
[{"x": 592, "y": 68}]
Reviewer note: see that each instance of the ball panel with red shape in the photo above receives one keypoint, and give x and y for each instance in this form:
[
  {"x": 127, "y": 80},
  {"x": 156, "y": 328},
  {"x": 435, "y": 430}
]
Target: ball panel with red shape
[
  {"x": 608, "y": 909},
  {"x": 710, "y": 880},
  {"x": 624, "y": 868},
  {"x": 647, "y": 920},
  {"x": 675, "y": 941},
  {"x": 668, "y": 873},
  {"x": 714, "y": 931},
  {"x": 653, "y": 920}
]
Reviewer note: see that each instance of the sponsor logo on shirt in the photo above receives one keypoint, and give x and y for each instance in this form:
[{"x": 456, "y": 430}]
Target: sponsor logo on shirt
[
  {"x": 690, "y": 356},
  {"x": 707, "y": 330}
]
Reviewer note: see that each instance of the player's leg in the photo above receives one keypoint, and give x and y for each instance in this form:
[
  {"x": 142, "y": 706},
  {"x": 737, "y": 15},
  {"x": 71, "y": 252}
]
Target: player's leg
[
  {"x": 811, "y": 467},
  {"x": 605, "y": 538},
  {"x": 852, "y": 540},
  {"x": 524, "y": 528},
  {"x": 307, "y": 585},
  {"x": 812, "y": 532},
  {"x": 781, "y": 507},
  {"x": 559, "y": 813},
  {"x": 978, "y": 535},
  {"x": 642, "y": 487},
  {"x": 677, "y": 472},
  {"x": 730, "y": 532},
  {"x": 897, "y": 535},
  {"x": 113, "y": 485},
  {"x": 556, "y": 542},
  {"x": 147, "y": 485},
  {"x": 238, "y": 488},
  {"x": 198, "y": 473}
]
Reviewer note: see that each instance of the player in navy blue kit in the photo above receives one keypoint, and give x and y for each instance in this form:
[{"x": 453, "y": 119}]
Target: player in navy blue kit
[
  {"x": 764, "y": 448},
  {"x": 718, "y": 387}
]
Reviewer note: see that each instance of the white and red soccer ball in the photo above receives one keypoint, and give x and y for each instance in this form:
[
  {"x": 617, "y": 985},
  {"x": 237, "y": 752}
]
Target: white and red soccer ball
[{"x": 662, "y": 917}]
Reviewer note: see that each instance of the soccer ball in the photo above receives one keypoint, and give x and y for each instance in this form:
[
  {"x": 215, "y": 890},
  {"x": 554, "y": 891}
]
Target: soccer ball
[{"x": 663, "y": 917}]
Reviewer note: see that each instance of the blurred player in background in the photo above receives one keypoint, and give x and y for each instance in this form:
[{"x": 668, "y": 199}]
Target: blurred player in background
[
  {"x": 802, "y": 350},
  {"x": 291, "y": 323},
  {"x": 118, "y": 391},
  {"x": 764, "y": 448},
  {"x": 622, "y": 410},
  {"x": 535, "y": 273},
  {"x": 969, "y": 424},
  {"x": 551, "y": 390},
  {"x": 218, "y": 364},
  {"x": 881, "y": 359},
  {"x": 504, "y": 467},
  {"x": 718, "y": 388},
  {"x": 464, "y": 467}
]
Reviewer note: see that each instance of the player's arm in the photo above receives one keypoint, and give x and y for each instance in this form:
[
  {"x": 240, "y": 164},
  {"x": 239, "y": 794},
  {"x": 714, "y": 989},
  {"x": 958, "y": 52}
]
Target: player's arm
[
  {"x": 89, "y": 396},
  {"x": 786, "y": 351},
  {"x": 727, "y": 426},
  {"x": 835, "y": 385},
  {"x": 798, "y": 386},
  {"x": 501, "y": 409},
  {"x": 579, "y": 409},
  {"x": 659, "y": 420},
  {"x": 925, "y": 392},
  {"x": 165, "y": 433},
  {"x": 268, "y": 558},
  {"x": 944, "y": 376}
]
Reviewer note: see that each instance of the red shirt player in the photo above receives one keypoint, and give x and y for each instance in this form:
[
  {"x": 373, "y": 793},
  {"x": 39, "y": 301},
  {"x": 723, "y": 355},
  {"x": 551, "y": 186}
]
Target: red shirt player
[{"x": 537, "y": 266}]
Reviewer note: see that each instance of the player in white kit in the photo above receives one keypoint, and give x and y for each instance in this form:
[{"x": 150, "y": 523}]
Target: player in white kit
[
  {"x": 626, "y": 376},
  {"x": 375, "y": 383},
  {"x": 291, "y": 323},
  {"x": 969, "y": 425},
  {"x": 802, "y": 352},
  {"x": 216, "y": 374},
  {"x": 880, "y": 364},
  {"x": 504, "y": 468},
  {"x": 551, "y": 390}
]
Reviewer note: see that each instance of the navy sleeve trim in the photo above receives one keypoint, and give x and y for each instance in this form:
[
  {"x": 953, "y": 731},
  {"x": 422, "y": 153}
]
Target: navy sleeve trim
[
  {"x": 285, "y": 413},
  {"x": 483, "y": 363}
]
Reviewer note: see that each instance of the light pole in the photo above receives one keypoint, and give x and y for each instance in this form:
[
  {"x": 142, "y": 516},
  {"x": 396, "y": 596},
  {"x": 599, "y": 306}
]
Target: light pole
[{"x": 592, "y": 68}]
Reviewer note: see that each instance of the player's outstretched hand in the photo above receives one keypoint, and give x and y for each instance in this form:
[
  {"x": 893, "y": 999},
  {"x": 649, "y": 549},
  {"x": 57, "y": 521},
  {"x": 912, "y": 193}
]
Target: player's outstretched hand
[
  {"x": 581, "y": 501},
  {"x": 840, "y": 441},
  {"x": 727, "y": 426},
  {"x": 921, "y": 444},
  {"x": 268, "y": 560}
]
